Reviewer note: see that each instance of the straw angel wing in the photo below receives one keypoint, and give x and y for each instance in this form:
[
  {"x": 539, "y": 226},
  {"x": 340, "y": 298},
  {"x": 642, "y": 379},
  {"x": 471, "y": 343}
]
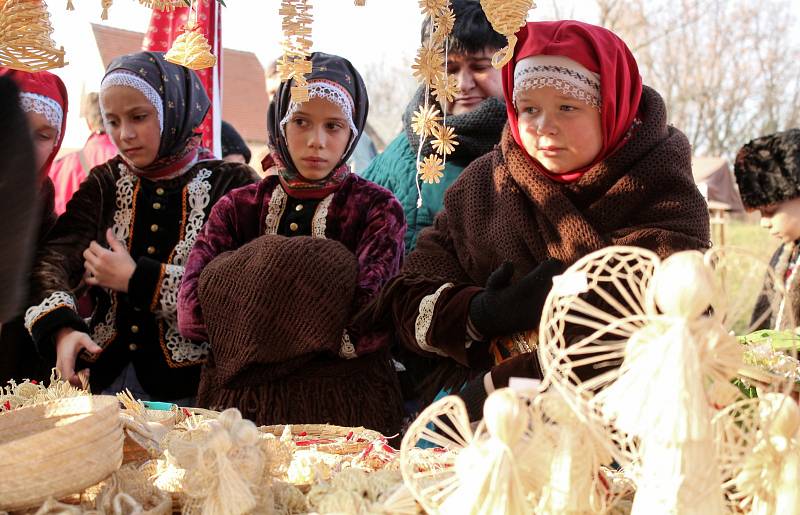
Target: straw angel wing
[{"x": 759, "y": 448}]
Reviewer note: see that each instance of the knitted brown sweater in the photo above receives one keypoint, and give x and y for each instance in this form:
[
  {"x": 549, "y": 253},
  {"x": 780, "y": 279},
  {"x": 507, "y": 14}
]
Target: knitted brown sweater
[
  {"x": 503, "y": 209},
  {"x": 274, "y": 304}
]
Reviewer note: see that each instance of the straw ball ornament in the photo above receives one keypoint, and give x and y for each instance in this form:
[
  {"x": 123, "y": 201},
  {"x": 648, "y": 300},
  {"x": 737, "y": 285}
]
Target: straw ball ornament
[
  {"x": 25, "y": 37},
  {"x": 506, "y": 16},
  {"x": 192, "y": 50}
]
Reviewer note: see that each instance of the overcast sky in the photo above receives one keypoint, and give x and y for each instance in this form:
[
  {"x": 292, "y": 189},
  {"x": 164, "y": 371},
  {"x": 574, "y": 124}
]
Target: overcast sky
[{"x": 363, "y": 34}]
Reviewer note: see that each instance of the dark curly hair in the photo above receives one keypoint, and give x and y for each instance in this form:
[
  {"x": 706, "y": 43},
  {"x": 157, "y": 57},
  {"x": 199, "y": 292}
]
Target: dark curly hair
[{"x": 472, "y": 32}]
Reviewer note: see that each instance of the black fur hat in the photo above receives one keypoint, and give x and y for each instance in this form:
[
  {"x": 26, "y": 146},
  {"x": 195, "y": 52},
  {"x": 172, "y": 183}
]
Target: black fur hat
[{"x": 768, "y": 169}]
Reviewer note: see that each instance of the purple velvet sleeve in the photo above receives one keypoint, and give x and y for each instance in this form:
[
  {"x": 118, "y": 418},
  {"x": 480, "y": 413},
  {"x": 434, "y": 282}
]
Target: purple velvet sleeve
[
  {"x": 380, "y": 249},
  {"x": 218, "y": 235}
]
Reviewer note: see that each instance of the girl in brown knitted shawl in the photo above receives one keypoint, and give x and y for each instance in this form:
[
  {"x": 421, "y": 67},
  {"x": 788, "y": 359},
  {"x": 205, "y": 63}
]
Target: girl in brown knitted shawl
[{"x": 586, "y": 160}]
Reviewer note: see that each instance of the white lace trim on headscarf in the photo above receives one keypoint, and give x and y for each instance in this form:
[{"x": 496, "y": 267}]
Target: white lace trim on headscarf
[
  {"x": 128, "y": 79},
  {"x": 330, "y": 92},
  {"x": 561, "y": 73},
  {"x": 45, "y": 106}
]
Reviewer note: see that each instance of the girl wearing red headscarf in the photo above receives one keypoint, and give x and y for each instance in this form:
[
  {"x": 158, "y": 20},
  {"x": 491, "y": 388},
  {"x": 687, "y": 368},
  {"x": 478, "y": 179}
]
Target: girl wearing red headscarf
[
  {"x": 586, "y": 160},
  {"x": 43, "y": 97}
]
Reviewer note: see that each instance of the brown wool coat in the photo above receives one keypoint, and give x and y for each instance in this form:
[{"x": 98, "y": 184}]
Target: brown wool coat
[{"x": 503, "y": 209}]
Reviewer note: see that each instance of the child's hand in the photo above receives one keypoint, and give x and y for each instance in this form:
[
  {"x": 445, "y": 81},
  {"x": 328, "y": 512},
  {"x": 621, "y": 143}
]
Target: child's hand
[
  {"x": 69, "y": 343},
  {"x": 109, "y": 268}
]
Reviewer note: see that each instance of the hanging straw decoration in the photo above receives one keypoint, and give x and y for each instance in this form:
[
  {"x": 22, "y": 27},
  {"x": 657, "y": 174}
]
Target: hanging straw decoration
[
  {"x": 294, "y": 63},
  {"x": 162, "y": 5},
  {"x": 105, "y": 4},
  {"x": 430, "y": 69},
  {"x": 70, "y": 7},
  {"x": 361, "y": 3},
  {"x": 25, "y": 42},
  {"x": 191, "y": 49},
  {"x": 506, "y": 16}
]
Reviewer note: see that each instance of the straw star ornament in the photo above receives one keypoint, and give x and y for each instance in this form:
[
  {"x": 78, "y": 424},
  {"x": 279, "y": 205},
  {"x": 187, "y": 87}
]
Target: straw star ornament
[
  {"x": 429, "y": 63},
  {"x": 424, "y": 120},
  {"x": 444, "y": 140},
  {"x": 431, "y": 168}
]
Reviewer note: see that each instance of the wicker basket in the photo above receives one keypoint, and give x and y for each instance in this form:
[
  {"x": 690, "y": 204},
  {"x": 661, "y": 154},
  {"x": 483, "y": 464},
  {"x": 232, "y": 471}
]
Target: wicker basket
[
  {"x": 344, "y": 440},
  {"x": 57, "y": 448}
]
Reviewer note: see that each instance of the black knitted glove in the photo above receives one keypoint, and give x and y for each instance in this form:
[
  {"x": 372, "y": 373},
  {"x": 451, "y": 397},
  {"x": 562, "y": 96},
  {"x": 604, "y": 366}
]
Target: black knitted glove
[{"x": 502, "y": 309}]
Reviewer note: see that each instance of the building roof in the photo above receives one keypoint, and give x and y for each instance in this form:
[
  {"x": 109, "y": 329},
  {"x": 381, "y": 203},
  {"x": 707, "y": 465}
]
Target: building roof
[{"x": 244, "y": 96}]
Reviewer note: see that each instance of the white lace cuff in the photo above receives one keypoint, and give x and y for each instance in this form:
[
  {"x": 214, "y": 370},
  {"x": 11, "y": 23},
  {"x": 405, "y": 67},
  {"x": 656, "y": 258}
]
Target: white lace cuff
[
  {"x": 55, "y": 300},
  {"x": 425, "y": 318}
]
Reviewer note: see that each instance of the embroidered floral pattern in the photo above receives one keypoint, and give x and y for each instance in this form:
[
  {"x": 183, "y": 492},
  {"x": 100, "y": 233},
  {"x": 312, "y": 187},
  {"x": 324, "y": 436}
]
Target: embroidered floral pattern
[
  {"x": 319, "y": 223},
  {"x": 425, "y": 318},
  {"x": 575, "y": 91},
  {"x": 277, "y": 204},
  {"x": 182, "y": 349},
  {"x": 56, "y": 300}
]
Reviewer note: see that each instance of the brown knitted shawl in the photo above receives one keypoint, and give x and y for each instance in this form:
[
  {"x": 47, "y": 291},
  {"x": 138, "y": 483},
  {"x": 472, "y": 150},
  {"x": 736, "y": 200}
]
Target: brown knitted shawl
[{"x": 502, "y": 208}]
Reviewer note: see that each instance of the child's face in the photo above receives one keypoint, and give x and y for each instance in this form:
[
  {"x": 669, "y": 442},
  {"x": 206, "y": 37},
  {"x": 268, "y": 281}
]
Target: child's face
[
  {"x": 562, "y": 133},
  {"x": 132, "y": 122},
  {"x": 782, "y": 219},
  {"x": 317, "y": 135},
  {"x": 44, "y": 137}
]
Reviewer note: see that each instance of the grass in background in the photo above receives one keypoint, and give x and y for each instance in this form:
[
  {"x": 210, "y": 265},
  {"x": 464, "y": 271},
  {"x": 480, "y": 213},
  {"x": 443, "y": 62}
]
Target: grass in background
[{"x": 749, "y": 236}]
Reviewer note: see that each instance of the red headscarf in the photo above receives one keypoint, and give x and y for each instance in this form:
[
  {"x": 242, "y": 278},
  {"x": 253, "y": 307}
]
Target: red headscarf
[
  {"x": 601, "y": 52},
  {"x": 47, "y": 85}
]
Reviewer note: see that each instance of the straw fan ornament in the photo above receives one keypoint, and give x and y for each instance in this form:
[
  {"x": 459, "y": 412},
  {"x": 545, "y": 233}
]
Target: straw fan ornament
[
  {"x": 430, "y": 69},
  {"x": 191, "y": 49},
  {"x": 25, "y": 37},
  {"x": 295, "y": 63},
  {"x": 641, "y": 350},
  {"x": 506, "y": 17}
]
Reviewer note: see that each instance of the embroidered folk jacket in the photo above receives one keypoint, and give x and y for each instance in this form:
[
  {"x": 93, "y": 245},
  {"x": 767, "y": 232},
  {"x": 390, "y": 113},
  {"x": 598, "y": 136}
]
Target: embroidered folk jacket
[
  {"x": 158, "y": 221},
  {"x": 363, "y": 216}
]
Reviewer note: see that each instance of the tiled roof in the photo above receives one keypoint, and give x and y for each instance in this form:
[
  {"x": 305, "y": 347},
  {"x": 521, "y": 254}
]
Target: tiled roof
[{"x": 244, "y": 97}]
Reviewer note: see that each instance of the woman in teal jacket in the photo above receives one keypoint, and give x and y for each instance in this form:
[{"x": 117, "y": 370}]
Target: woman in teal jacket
[{"x": 477, "y": 114}]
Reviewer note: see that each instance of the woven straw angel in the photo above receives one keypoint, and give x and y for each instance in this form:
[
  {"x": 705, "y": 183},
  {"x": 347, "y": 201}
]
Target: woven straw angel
[
  {"x": 759, "y": 447},
  {"x": 494, "y": 470},
  {"x": 642, "y": 350}
]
